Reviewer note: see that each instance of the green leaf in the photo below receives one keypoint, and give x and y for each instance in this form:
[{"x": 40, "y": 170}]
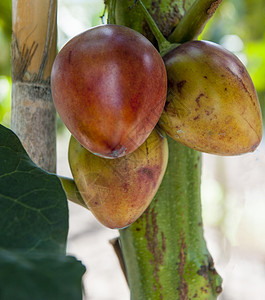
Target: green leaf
[
  {"x": 33, "y": 205},
  {"x": 39, "y": 277}
]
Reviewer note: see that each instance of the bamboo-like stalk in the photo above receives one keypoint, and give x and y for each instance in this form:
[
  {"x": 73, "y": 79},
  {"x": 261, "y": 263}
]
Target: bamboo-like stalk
[{"x": 34, "y": 45}]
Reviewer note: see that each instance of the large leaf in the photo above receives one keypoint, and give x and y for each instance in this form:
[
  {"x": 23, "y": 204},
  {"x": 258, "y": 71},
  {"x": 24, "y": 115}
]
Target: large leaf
[
  {"x": 33, "y": 205},
  {"x": 39, "y": 277},
  {"x": 33, "y": 230}
]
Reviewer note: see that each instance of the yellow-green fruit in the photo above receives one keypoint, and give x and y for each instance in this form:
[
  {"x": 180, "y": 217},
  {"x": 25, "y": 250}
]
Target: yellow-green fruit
[
  {"x": 212, "y": 105},
  {"x": 117, "y": 191}
]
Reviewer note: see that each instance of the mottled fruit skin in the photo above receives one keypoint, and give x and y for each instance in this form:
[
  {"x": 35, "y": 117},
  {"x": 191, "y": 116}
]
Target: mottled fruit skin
[
  {"x": 117, "y": 191},
  {"x": 212, "y": 105},
  {"x": 109, "y": 87}
]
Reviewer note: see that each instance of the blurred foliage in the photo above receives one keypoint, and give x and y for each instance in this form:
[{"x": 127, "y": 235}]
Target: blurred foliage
[
  {"x": 5, "y": 93},
  {"x": 5, "y": 66},
  {"x": 5, "y": 36},
  {"x": 6, "y": 17},
  {"x": 235, "y": 21}
]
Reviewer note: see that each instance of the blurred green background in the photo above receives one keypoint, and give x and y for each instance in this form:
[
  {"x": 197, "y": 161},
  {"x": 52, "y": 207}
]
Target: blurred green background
[{"x": 233, "y": 189}]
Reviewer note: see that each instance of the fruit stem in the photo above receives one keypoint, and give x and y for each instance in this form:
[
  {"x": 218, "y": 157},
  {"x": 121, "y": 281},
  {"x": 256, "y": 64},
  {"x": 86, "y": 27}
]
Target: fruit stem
[
  {"x": 71, "y": 191},
  {"x": 111, "y": 11},
  {"x": 163, "y": 44},
  {"x": 195, "y": 19}
]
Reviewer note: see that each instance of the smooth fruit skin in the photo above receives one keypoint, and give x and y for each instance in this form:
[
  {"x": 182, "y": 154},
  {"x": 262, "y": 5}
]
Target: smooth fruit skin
[
  {"x": 212, "y": 105},
  {"x": 109, "y": 87},
  {"x": 117, "y": 191}
]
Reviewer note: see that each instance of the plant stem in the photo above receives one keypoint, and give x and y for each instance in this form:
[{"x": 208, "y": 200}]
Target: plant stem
[
  {"x": 111, "y": 4},
  {"x": 165, "y": 253},
  {"x": 163, "y": 45},
  {"x": 195, "y": 19},
  {"x": 71, "y": 191}
]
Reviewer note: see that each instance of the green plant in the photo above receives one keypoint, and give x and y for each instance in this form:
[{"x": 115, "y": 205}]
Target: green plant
[{"x": 164, "y": 251}]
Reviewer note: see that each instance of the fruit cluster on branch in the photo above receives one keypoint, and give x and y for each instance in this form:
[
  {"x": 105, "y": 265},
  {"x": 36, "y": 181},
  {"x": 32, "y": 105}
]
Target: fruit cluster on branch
[{"x": 115, "y": 92}]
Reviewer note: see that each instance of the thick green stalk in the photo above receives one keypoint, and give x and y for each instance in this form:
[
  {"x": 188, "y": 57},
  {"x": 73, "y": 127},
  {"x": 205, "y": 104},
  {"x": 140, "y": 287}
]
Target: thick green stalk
[
  {"x": 164, "y": 251},
  {"x": 167, "y": 14}
]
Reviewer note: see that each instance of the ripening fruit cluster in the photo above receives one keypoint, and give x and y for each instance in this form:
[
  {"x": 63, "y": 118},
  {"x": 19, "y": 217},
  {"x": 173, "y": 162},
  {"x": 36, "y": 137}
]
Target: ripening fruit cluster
[{"x": 119, "y": 98}]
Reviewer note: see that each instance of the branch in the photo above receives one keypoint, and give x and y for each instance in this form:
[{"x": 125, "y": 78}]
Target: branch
[{"x": 194, "y": 21}]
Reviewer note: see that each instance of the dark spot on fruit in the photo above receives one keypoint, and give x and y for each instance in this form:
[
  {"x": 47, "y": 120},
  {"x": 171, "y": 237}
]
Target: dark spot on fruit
[
  {"x": 196, "y": 118},
  {"x": 96, "y": 203},
  {"x": 117, "y": 151},
  {"x": 198, "y": 99},
  {"x": 148, "y": 172},
  {"x": 180, "y": 85},
  {"x": 225, "y": 89},
  {"x": 205, "y": 77},
  {"x": 208, "y": 112}
]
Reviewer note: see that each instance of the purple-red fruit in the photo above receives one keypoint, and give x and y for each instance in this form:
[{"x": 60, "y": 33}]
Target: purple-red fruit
[{"x": 109, "y": 87}]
